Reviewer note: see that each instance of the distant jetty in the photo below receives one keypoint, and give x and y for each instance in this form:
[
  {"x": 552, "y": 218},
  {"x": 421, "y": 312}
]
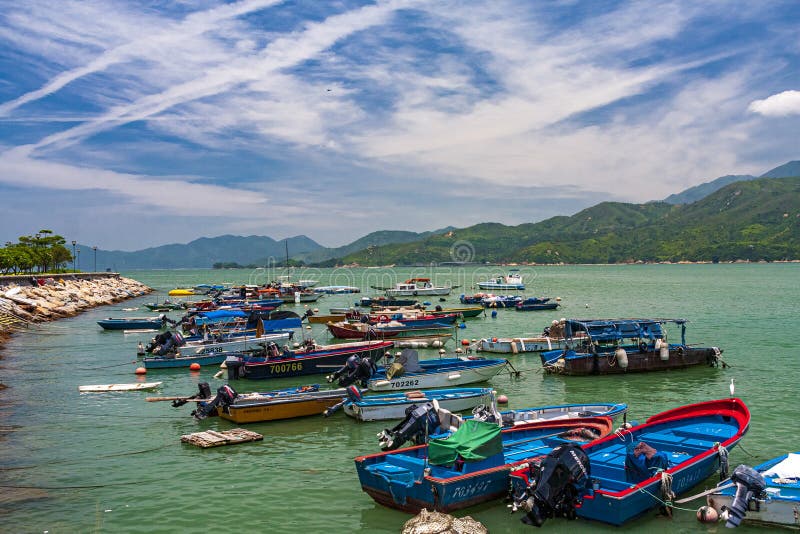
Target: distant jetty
[{"x": 57, "y": 296}]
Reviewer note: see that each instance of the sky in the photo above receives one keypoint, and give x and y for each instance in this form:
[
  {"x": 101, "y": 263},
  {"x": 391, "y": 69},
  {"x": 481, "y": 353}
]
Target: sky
[{"x": 126, "y": 125}]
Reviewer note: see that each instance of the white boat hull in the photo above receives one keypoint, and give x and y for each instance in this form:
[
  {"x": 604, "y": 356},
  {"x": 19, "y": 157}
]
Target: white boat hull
[
  {"x": 445, "y": 379},
  {"x": 232, "y": 346},
  {"x": 398, "y": 411},
  {"x": 524, "y": 344},
  {"x": 770, "y": 511}
]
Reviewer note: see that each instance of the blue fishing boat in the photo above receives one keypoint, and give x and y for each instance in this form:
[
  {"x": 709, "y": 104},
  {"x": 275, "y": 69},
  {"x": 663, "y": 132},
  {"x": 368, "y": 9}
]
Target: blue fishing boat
[
  {"x": 469, "y": 467},
  {"x": 767, "y": 494},
  {"x": 171, "y": 361},
  {"x": 311, "y": 359},
  {"x": 535, "y": 304},
  {"x": 612, "y": 346},
  {"x": 620, "y": 477},
  {"x": 500, "y": 301},
  {"x": 134, "y": 323}
]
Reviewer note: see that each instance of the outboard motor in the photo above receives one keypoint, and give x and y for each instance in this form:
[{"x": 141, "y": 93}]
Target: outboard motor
[
  {"x": 204, "y": 393},
  {"x": 225, "y": 397},
  {"x": 749, "y": 484},
  {"x": 554, "y": 485},
  {"x": 420, "y": 422},
  {"x": 157, "y": 341},
  {"x": 355, "y": 370}
]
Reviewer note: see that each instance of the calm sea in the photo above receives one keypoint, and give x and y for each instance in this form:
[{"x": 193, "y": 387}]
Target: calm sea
[{"x": 114, "y": 463}]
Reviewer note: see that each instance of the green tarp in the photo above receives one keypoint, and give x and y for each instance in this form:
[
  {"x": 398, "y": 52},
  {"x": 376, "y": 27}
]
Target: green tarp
[{"x": 473, "y": 441}]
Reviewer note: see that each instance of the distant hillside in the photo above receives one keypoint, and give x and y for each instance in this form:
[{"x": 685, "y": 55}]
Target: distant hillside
[
  {"x": 368, "y": 243},
  {"x": 752, "y": 220},
  {"x": 229, "y": 249},
  {"x": 698, "y": 192},
  {"x": 202, "y": 253}
]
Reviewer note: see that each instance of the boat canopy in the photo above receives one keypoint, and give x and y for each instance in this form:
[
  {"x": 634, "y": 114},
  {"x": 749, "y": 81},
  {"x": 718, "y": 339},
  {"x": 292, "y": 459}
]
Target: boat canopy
[
  {"x": 609, "y": 330},
  {"x": 281, "y": 324},
  {"x": 473, "y": 441},
  {"x": 217, "y": 316}
]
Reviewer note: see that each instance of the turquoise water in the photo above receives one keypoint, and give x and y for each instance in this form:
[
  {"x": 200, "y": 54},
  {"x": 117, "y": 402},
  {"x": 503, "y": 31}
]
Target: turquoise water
[{"x": 114, "y": 463}]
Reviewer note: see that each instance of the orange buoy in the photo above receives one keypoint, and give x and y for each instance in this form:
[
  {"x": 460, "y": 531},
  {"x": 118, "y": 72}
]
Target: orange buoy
[
  {"x": 465, "y": 342},
  {"x": 140, "y": 371},
  {"x": 494, "y": 340},
  {"x": 195, "y": 366},
  {"x": 502, "y": 399}
]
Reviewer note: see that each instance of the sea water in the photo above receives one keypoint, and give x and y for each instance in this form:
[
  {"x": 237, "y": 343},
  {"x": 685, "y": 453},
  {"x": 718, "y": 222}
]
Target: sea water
[{"x": 112, "y": 462}]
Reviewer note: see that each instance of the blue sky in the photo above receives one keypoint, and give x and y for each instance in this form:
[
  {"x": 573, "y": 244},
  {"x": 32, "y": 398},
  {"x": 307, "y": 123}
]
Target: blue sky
[{"x": 133, "y": 124}]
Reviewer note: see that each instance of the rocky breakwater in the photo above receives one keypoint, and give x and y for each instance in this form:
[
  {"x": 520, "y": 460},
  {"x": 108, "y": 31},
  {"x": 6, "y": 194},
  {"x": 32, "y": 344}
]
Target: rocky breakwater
[{"x": 54, "y": 298}]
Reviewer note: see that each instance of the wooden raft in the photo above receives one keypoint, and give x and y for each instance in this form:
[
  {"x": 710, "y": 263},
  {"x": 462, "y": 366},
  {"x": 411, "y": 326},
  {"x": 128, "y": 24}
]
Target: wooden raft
[{"x": 212, "y": 438}]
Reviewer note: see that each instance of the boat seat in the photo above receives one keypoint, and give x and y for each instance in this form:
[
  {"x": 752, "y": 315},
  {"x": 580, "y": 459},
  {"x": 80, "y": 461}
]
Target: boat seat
[
  {"x": 414, "y": 465},
  {"x": 447, "y": 420}
]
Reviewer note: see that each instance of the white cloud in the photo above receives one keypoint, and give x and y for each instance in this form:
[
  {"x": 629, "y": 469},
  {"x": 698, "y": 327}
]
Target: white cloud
[{"x": 779, "y": 105}]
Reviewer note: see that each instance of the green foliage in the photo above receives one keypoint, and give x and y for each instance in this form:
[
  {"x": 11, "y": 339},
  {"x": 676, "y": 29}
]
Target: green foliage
[
  {"x": 750, "y": 220},
  {"x": 42, "y": 252}
]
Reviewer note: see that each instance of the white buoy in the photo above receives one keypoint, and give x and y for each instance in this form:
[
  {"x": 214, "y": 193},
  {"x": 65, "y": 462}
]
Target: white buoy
[
  {"x": 663, "y": 352},
  {"x": 297, "y": 297},
  {"x": 732, "y": 387},
  {"x": 622, "y": 358}
]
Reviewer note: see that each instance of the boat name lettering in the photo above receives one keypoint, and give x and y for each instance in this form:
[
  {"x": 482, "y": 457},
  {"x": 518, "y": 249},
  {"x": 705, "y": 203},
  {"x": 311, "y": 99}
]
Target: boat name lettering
[
  {"x": 471, "y": 489},
  {"x": 285, "y": 367},
  {"x": 405, "y": 383}
]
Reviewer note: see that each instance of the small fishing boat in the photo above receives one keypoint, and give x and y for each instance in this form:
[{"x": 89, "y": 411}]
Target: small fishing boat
[
  {"x": 166, "y": 306},
  {"x": 768, "y": 494},
  {"x": 381, "y": 301},
  {"x": 469, "y": 467},
  {"x": 500, "y": 301},
  {"x": 512, "y": 281},
  {"x": 394, "y": 405},
  {"x": 285, "y": 403},
  {"x": 134, "y": 323},
  {"x": 316, "y": 360},
  {"x": 416, "y": 287},
  {"x": 390, "y": 330},
  {"x": 422, "y": 342},
  {"x": 101, "y": 388},
  {"x": 520, "y": 344},
  {"x": 536, "y": 304},
  {"x": 336, "y": 290},
  {"x": 329, "y": 318},
  {"x": 181, "y": 292},
  {"x": 612, "y": 346},
  {"x": 620, "y": 477},
  {"x": 409, "y": 372},
  {"x": 172, "y": 361}
]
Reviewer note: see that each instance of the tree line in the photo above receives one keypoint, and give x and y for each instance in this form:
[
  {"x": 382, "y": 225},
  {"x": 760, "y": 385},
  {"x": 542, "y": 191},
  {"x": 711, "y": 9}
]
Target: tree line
[{"x": 43, "y": 252}]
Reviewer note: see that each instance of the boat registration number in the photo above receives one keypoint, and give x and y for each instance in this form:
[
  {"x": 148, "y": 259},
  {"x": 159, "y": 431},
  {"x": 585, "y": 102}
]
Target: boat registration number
[
  {"x": 406, "y": 383},
  {"x": 285, "y": 367}
]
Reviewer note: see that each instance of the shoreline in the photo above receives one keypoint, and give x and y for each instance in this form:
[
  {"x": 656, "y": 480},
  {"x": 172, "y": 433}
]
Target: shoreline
[{"x": 61, "y": 296}]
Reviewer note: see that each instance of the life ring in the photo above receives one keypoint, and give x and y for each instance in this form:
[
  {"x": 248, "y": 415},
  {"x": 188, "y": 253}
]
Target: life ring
[
  {"x": 680, "y": 351},
  {"x": 642, "y": 347},
  {"x": 415, "y": 293},
  {"x": 383, "y": 319}
]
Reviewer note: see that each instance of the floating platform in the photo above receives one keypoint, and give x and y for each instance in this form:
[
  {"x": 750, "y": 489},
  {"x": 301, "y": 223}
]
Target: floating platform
[{"x": 212, "y": 438}]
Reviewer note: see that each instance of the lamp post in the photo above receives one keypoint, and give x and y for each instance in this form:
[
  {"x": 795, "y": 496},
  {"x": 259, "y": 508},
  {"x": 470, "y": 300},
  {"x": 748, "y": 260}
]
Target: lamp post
[
  {"x": 73, "y": 254},
  {"x": 95, "y": 257},
  {"x": 79, "y": 258}
]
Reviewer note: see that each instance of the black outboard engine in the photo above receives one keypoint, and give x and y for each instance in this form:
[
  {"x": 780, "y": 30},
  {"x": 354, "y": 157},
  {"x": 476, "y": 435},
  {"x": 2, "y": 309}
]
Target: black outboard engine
[
  {"x": 420, "y": 422},
  {"x": 204, "y": 393},
  {"x": 225, "y": 397},
  {"x": 355, "y": 370},
  {"x": 157, "y": 342},
  {"x": 749, "y": 484},
  {"x": 555, "y": 485}
]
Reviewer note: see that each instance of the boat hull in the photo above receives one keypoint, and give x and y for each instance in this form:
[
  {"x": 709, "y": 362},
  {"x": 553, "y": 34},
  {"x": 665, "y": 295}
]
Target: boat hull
[
  {"x": 502, "y": 287},
  {"x": 317, "y": 362},
  {"x": 778, "y": 506},
  {"x": 523, "y": 344},
  {"x": 127, "y": 324},
  {"x": 234, "y": 345},
  {"x": 453, "y": 400},
  {"x": 450, "y": 375},
  {"x": 256, "y": 412},
  {"x": 605, "y": 364},
  {"x": 419, "y": 292},
  {"x": 160, "y": 362}
]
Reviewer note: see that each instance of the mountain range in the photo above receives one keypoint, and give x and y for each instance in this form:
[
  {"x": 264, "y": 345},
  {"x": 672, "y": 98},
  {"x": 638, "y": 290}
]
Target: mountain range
[{"x": 729, "y": 218}]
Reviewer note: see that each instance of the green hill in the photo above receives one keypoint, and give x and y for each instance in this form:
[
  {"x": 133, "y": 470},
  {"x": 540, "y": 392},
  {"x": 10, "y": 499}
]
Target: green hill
[{"x": 750, "y": 220}]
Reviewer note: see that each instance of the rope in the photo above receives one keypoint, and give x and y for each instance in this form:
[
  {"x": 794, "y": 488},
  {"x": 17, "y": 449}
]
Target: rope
[
  {"x": 94, "y": 486},
  {"x": 665, "y": 504},
  {"x": 666, "y": 491},
  {"x": 748, "y": 453},
  {"x": 106, "y": 366},
  {"x": 62, "y": 462},
  {"x": 723, "y": 462}
]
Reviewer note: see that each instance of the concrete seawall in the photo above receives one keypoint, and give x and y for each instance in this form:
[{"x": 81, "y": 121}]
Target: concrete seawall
[{"x": 60, "y": 296}]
